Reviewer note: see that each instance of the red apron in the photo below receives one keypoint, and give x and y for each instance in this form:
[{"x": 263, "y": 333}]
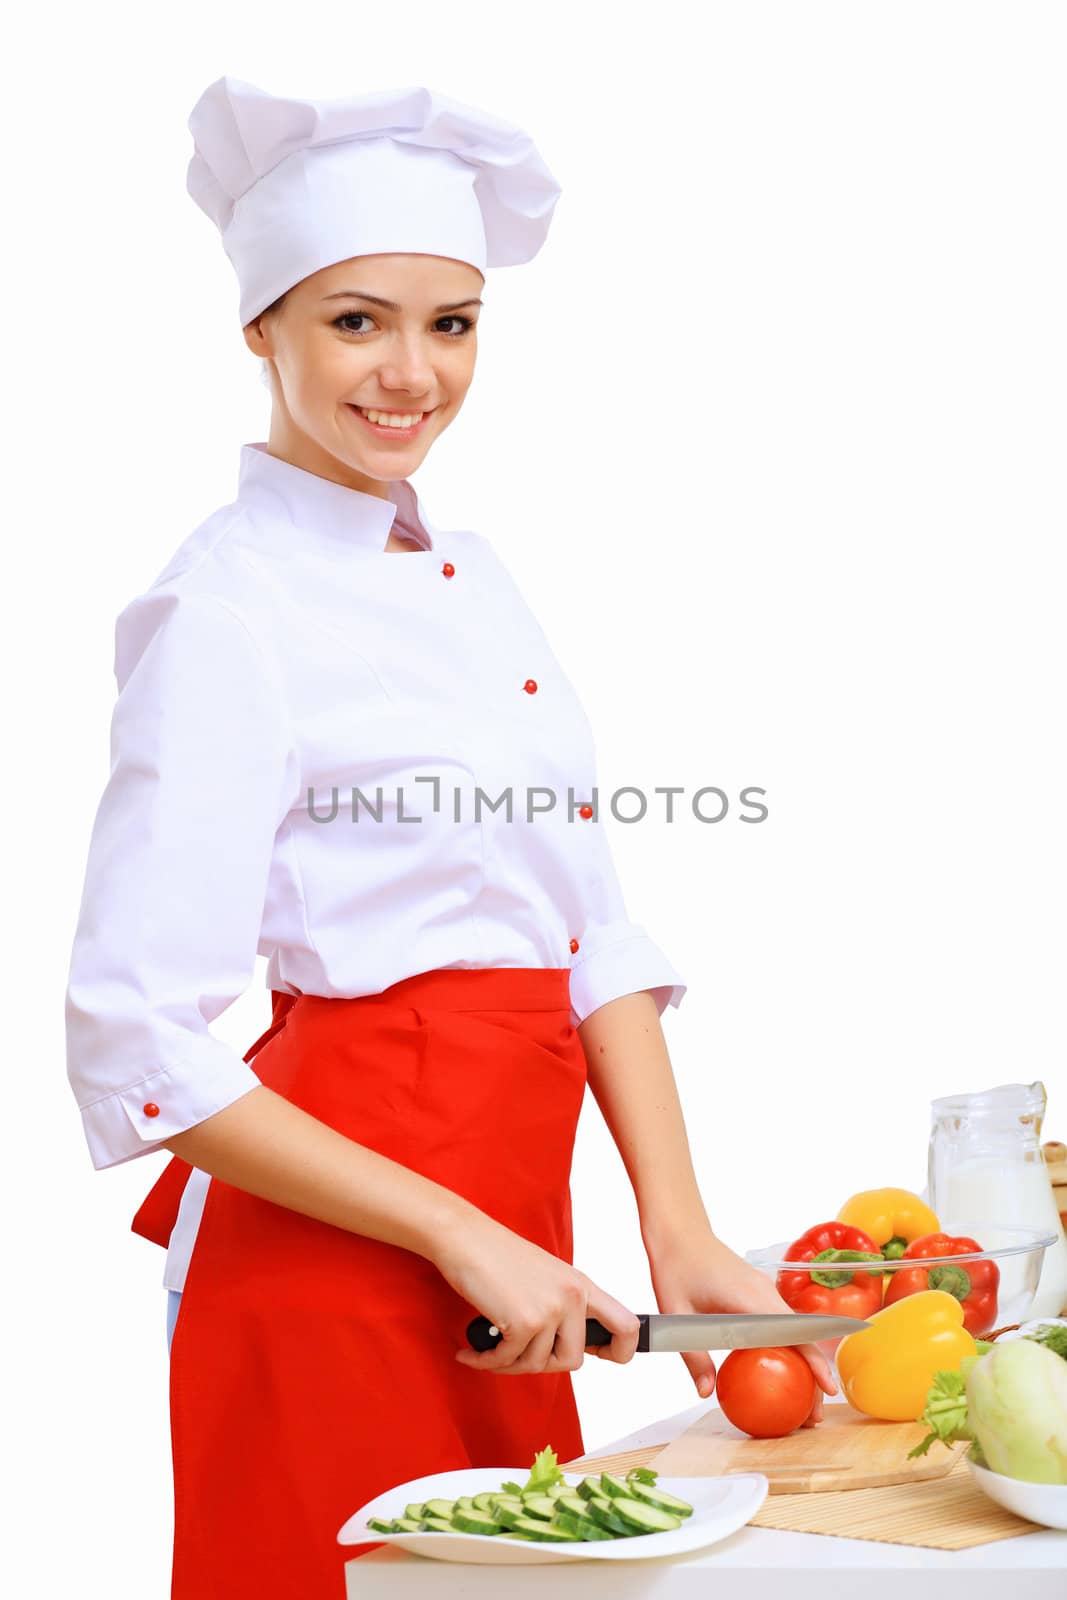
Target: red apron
[{"x": 312, "y": 1368}]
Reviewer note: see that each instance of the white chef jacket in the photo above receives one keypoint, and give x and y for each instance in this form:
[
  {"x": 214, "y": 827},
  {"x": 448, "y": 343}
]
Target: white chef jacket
[{"x": 282, "y": 659}]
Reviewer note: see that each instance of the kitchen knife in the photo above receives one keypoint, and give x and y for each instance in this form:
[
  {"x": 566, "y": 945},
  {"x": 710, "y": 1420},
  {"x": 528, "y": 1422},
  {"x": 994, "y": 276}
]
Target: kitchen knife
[{"x": 689, "y": 1331}]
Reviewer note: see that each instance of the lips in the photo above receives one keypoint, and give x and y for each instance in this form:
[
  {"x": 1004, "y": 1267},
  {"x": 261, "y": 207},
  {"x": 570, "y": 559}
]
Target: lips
[
  {"x": 386, "y": 430},
  {"x": 393, "y": 411}
]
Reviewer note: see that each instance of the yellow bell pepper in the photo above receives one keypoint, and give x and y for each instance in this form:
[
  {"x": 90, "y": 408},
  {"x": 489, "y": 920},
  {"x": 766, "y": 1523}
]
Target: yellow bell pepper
[
  {"x": 886, "y": 1370},
  {"x": 891, "y": 1217}
]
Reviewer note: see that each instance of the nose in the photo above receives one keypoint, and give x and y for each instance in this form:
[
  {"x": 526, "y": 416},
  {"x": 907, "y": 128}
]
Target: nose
[{"x": 407, "y": 368}]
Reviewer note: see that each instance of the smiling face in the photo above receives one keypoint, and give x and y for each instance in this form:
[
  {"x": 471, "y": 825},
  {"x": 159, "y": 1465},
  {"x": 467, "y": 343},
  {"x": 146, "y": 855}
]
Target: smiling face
[{"x": 392, "y": 334}]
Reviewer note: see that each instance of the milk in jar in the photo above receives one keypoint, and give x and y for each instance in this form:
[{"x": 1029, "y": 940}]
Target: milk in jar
[{"x": 986, "y": 1166}]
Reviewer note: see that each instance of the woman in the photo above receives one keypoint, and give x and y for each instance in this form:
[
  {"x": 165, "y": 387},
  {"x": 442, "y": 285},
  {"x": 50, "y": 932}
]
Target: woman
[{"x": 376, "y": 774}]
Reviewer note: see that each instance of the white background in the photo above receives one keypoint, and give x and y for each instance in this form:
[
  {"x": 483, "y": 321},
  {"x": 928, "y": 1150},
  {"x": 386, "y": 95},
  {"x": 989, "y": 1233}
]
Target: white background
[{"x": 771, "y": 435}]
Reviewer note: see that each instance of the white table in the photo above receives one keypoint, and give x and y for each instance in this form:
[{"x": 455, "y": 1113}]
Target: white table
[{"x": 749, "y": 1565}]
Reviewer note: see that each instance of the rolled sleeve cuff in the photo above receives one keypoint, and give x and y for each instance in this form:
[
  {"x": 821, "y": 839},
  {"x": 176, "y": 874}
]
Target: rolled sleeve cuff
[
  {"x": 621, "y": 959},
  {"x": 118, "y": 1128}
]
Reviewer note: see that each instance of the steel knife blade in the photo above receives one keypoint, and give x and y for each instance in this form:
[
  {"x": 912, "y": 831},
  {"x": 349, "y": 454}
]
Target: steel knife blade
[{"x": 691, "y": 1331}]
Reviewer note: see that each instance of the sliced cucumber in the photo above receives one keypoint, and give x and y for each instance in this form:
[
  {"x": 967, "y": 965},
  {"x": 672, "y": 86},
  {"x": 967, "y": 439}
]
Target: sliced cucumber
[
  {"x": 652, "y": 1496},
  {"x": 467, "y": 1519},
  {"x": 602, "y": 1511},
  {"x": 581, "y": 1527},
  {"x": 542, "y": 1531},
  {"x": 540, "y": 1506},
  {"x": 645, "y": 1518},
  {"x": 606, "y": 1506},
  {"x": 505, "y": 1512}
]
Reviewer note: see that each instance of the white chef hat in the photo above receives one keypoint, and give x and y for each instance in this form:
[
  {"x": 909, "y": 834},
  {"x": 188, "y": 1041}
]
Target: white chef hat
[{"x": 294, "y": 185}]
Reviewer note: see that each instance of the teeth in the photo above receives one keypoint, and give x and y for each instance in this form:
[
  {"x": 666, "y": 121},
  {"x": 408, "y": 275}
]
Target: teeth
[{"x": 391, "y": 421}]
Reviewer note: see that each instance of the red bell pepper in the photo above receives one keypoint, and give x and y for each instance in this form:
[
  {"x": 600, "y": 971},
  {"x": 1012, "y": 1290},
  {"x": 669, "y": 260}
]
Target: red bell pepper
[
  {"x": 838, "y": 1288},
  {"x": 974, "y": 1283}
]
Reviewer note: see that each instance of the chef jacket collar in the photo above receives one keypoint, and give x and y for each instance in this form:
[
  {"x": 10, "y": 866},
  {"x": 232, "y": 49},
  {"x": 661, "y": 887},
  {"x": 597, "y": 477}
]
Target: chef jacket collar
[{"x": 352, "y": 517}]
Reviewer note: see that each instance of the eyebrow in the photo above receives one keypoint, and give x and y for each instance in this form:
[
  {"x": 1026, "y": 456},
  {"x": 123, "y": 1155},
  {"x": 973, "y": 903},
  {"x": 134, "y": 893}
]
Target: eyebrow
[{"x": 391, "y": 305}]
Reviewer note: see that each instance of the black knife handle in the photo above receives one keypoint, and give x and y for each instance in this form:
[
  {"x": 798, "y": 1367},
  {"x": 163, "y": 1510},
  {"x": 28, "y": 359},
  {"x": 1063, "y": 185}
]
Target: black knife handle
[{"x": 482, "y": 1334}]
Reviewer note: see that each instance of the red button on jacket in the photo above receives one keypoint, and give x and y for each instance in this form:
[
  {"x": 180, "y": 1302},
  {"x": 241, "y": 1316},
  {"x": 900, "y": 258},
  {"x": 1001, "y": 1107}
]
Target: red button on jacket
[
  {"x": 574, "y": 947},
  {"x": 151, "y": 1109},
  {"x": 448, "y": 569},
  {"x": 530, "y": 686}
]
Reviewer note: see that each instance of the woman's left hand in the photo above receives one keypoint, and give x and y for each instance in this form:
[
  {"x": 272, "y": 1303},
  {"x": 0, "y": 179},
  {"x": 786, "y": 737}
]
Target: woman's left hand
[{"x": 705, "y": 1277}]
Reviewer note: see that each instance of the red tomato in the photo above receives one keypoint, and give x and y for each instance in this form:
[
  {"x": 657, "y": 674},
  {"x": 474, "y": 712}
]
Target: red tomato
[{"x": 766, "y": 1393}]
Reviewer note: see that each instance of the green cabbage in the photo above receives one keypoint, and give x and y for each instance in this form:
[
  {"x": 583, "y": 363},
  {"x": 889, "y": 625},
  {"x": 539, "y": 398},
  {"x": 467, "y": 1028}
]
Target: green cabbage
[
  {"x": 1013, "y": 1407},
  {"x": 1017, "y": 1410}
]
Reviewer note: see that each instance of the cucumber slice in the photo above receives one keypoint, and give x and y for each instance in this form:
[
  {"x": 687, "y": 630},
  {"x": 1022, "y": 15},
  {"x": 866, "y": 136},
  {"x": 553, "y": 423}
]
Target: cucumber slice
[
  {"x": 485, "y": 1502},
  {"x": 407, "y": 1524},
  {"x": 431, "y": 1524},
  {"x": 580, "y": 1527},
  {"x": 615, "y": 1488},
  {"x": 543, "y": 1531},
  {"x": 572, "y": 1503},
  {"x": 380, "y": 1525},
  {"x": 506, "y": 1512},
  {"x": 602, "y": 1512},
  {"x": 466, "y": 1519},
  {"x": 525, "y": 1537},
  {"x": 416, "y": 1509},
  {"x": 439, "y": 1508},
  {"x": 589, "y": 1487},
  {"x": 467, "y": 1501},
  {"x": 540, "y": 1506},
  {"x": 660, "y": 1498},
  {"x": 644, "y": 1518}
]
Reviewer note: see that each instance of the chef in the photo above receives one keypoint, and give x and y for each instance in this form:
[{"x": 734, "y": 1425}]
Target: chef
[{"x": 376, "y": 774}]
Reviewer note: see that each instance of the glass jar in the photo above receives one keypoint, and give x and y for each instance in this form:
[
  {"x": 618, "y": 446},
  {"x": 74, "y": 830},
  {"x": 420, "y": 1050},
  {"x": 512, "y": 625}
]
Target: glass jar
[{"x": 986, "y": 1164}]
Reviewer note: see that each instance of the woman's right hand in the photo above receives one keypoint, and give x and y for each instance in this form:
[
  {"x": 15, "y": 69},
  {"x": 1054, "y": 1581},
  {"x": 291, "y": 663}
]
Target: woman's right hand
[{"x": 538, "y": 1302}]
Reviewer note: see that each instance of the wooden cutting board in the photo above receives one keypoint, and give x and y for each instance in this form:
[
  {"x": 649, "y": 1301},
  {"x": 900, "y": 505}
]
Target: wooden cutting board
[
  {"x": 844, "y": 1451},
  {"x": 949, "y": 1513}
]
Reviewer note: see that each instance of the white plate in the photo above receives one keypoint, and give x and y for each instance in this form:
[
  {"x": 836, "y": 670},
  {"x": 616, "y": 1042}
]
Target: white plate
[
  {"x": 720, "y": 1506},
  {"x": 1044, "y": 1503}
]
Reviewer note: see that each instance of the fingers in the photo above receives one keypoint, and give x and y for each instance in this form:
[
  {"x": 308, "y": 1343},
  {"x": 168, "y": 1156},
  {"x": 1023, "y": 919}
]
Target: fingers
[
  {"x": 820, "y": 1366},
  {"x": 702, "y": 1370},
  {"x": 513, "y": 1345},
  {"x": 556, "y": 1342},
  {"x": 815, "y": 1414},
  {"x": 622, "y": 1324}
]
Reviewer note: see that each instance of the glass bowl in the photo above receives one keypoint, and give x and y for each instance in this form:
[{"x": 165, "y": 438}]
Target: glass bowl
[{"x": 1018, "y": 1253}]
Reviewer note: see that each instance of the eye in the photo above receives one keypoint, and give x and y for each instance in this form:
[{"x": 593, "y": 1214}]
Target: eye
[
  {"x": 351, "y": 316},
  {"x": 465, "y": 324},
  {"x": 346, "y": 318}
]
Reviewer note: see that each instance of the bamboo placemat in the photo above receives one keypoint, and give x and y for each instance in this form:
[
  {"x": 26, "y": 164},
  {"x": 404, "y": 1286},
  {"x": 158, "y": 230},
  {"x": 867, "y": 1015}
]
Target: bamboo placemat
[{"x": 949, "y": 1513}]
